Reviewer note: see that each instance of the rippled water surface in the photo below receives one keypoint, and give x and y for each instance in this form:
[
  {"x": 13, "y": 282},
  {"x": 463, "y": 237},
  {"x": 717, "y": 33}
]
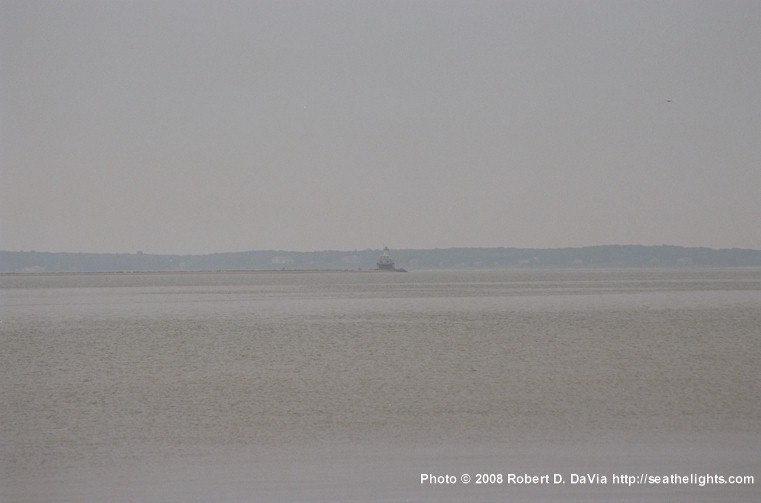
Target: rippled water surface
[{"x": 348, "y": 386}]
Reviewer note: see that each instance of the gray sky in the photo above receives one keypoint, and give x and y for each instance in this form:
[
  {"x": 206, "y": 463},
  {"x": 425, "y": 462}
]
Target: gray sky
[{"x": 180, "y": 126}]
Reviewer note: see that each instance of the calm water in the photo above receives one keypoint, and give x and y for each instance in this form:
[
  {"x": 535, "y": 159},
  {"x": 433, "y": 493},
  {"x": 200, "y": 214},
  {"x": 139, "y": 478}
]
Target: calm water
[{"x": 348, "y": 386}]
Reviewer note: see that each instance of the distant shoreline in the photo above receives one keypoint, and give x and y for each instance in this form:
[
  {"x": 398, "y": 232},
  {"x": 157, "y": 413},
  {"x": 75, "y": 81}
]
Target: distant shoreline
[
  {"x": 364, "y": 271},
  {"x": 271, "y": 261},
  {"x": 228, "y": 271}
]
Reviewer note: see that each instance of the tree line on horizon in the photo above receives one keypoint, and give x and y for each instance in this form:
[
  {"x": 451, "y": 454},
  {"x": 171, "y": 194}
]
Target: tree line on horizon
[{"x": 444, "y": 258}]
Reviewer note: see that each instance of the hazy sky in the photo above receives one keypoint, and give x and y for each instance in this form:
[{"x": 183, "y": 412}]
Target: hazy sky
[{"x": 177, "y": 126}]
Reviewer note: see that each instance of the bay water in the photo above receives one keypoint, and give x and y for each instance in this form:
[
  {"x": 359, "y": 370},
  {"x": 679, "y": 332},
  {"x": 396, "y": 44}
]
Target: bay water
[{"x": 368, "y": 386}]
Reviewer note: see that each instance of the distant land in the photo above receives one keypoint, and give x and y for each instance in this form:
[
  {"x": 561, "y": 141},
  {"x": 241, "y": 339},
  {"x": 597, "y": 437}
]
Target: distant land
[{"x": 619, "y": 256}]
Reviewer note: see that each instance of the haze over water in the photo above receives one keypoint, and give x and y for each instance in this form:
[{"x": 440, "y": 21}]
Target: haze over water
[{"x": 348, "y": 386}]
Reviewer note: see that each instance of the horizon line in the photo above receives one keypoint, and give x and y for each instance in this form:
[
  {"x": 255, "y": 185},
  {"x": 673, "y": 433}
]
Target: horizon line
[{"x": 273, "y": 250}]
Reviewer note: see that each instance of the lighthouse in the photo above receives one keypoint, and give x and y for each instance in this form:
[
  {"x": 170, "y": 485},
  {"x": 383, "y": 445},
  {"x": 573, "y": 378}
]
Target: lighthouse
[{"x": 385, "y": 262}]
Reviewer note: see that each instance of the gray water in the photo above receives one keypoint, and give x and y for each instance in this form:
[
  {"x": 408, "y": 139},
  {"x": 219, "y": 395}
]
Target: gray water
[{"x": 349, "y": 386}]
